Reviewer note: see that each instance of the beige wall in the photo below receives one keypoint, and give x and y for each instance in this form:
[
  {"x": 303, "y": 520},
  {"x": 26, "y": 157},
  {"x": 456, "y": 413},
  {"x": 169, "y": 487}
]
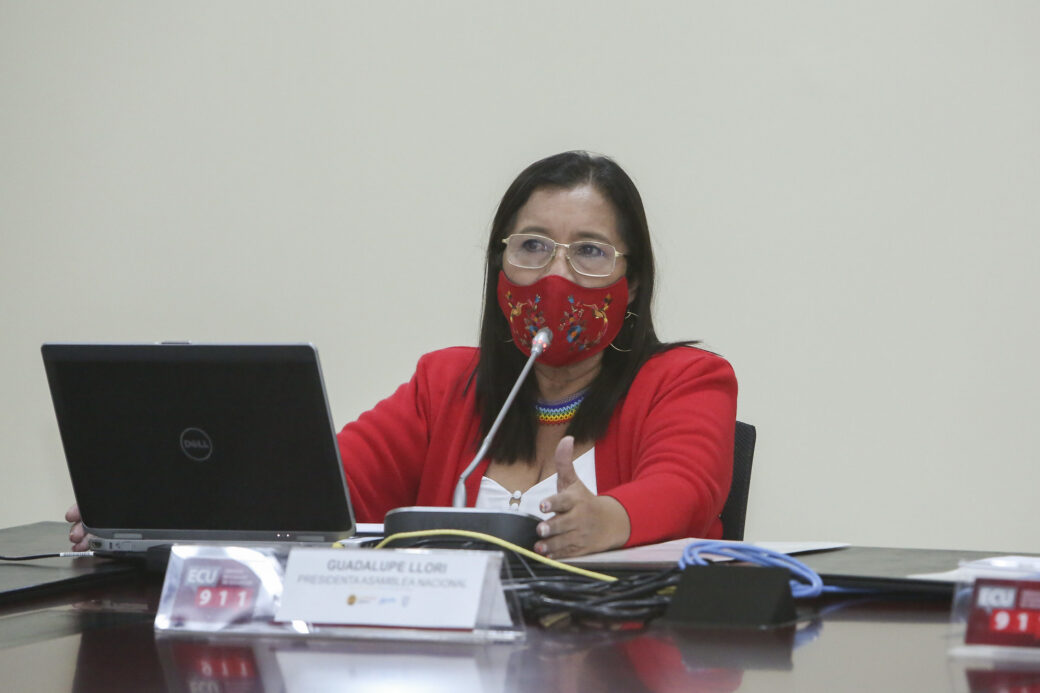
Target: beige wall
[{"x": 844, "y": 198}]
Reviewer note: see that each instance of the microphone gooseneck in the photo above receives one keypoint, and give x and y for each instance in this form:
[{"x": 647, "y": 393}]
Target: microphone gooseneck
[{"x": 542, "y": 340}]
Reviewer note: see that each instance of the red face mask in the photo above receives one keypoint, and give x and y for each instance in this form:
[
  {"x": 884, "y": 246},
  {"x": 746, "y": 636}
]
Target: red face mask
[{"x": 583, "y": 321}]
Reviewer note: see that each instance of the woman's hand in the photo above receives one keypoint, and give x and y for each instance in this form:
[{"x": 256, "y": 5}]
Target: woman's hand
[
  {"x": 77, "y": 535},
  {"x": 584, "y": 522}
]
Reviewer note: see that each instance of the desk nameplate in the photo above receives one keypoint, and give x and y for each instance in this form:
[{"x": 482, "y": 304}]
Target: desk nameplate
[
  {"x": 396, "y": 594},
  {"x": 401, "y": 588},
  {"x": 1004, "y": 613}
]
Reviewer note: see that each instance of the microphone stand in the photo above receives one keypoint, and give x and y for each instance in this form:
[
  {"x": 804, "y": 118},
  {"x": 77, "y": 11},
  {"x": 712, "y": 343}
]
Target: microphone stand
[{"x": 512, "y": 526}]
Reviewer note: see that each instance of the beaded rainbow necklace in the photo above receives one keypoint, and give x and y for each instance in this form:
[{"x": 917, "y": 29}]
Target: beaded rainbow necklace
[{"x": 555, "y": 413}]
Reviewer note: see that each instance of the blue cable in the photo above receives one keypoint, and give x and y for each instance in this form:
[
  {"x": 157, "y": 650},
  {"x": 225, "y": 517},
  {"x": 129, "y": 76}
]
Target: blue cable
[{"x": 805, "y": 582}]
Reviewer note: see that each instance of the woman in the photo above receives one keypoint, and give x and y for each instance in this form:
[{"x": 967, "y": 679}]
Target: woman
[{"x": 616, "y": 440}]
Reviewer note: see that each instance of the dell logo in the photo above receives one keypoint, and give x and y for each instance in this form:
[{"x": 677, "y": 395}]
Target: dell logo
[{"x": 196, "y": 444}]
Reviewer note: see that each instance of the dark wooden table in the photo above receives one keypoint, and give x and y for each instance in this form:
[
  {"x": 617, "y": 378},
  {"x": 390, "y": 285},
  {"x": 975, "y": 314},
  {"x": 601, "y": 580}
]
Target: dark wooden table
[{"x": 100, "y": 638}]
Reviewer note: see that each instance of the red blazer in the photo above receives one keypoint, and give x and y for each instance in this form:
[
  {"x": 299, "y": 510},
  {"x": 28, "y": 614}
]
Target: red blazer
[{"x": 667, "y": 456}]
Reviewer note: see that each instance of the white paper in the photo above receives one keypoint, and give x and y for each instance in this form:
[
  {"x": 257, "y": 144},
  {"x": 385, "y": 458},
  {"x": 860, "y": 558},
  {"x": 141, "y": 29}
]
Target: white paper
[
  {"x": 669, "y": 552},
  {"x": 1004, "y": 567}
]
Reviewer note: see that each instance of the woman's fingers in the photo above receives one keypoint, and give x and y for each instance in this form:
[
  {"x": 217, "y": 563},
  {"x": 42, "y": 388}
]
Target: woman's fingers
[
  {"x": 565, "y": 474},
  {"x": 78, "y": 533}
]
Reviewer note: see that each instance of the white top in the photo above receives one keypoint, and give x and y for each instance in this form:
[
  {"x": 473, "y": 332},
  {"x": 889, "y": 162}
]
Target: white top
[{"x": 493, "y": 496}]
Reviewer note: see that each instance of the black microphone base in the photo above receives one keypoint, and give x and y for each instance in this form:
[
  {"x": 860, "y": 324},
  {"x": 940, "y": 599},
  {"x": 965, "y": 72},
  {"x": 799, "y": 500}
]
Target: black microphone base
[{"x": 515, "y": 527}]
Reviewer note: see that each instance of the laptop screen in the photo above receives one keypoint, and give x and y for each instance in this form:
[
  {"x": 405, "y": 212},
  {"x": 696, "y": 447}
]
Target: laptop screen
[{"x": 198, "y": 438}]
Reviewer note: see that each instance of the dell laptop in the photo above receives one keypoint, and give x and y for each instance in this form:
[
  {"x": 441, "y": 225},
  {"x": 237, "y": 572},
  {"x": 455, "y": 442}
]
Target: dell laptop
[{"x": 199, "y": 443}]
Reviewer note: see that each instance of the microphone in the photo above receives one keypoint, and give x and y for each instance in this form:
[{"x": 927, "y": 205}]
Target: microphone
[
  {"x": 515, "y": 527},
  {"x": 542, "y": 340}
]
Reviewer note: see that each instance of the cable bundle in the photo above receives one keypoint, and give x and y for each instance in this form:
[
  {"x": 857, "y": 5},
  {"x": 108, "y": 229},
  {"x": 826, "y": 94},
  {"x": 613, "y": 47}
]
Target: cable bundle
[
  {"x": 589, "y": 597},
  {"x": 555, "y": 600},
  {"x": 805, "y": 582}
]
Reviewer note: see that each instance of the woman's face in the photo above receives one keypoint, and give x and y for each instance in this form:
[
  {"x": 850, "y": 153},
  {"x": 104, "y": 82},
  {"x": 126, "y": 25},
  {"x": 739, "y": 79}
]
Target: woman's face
[{"x": 567, "y": 216}]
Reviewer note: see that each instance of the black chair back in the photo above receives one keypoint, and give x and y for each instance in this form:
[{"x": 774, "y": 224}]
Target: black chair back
[{"x": 734, "y": 511}]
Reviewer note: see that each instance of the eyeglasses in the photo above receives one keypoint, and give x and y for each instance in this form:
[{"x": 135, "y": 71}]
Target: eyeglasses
[{"x": 590, "y": 258}]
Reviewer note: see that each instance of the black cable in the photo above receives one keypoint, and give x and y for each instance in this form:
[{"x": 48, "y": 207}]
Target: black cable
[
  {"x": 560, "y": 596},
  {"x": 638, "y": 598}
]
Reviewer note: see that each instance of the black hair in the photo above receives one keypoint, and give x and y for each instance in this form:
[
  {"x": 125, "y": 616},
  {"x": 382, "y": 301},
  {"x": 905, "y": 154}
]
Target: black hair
[{"x": 501, "y": 361}]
